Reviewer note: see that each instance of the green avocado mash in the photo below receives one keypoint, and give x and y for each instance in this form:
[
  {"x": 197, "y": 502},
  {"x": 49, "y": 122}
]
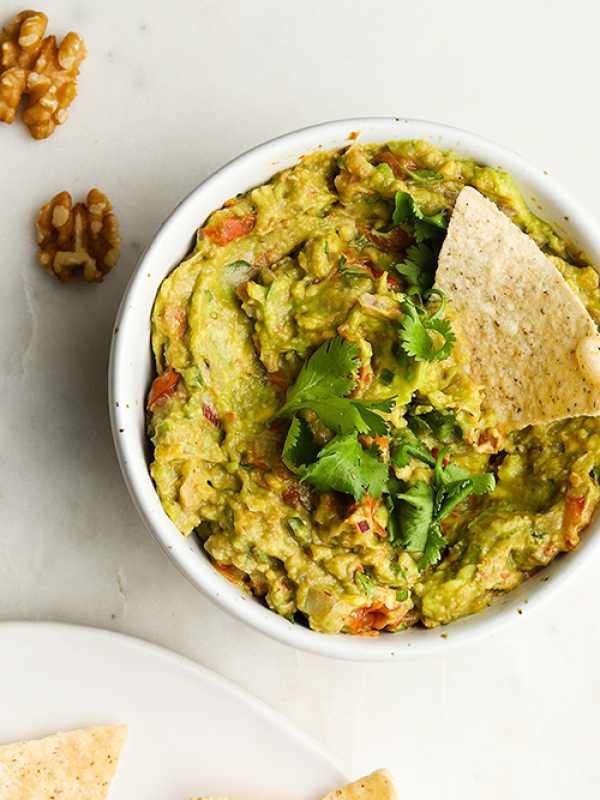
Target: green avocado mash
[{"x": 312, "y": 419}]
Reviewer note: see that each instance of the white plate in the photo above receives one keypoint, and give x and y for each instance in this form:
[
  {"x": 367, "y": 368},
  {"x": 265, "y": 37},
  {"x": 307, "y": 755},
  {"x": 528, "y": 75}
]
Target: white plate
[{"x": 190, "y": 731}]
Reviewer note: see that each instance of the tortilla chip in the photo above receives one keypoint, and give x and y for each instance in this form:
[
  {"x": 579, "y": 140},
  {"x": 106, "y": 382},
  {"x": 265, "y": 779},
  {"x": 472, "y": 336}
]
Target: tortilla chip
[
  {"x": 532, "y": 345},
  {"x": 376, "y": 786},
  {"x": 77, "y": 765}
]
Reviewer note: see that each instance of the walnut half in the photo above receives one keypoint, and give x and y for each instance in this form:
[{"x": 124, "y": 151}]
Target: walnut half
[
  {"x": 52, "y": 84},
  {"x": 20, "y": 44},
  {"x": 85, "y": 236}
]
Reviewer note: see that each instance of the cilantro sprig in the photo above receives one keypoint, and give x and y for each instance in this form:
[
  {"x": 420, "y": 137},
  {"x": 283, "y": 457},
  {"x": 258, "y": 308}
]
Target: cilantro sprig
[
  {"x": 418, "y": 268},
  {"x": 328, "y": 375},
  {"x": 417, "y": 511},
  {"x": 417, "y": 326},
  {"x": 426, "y": 227}
]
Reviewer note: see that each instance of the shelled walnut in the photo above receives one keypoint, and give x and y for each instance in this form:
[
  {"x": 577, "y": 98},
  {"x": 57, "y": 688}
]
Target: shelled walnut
[
  {"x": 84, "y": 236},
  {"x": 40, "y": 69},
  {"x": 52, "y": 84},
  {"x": 20, "y": 44}
]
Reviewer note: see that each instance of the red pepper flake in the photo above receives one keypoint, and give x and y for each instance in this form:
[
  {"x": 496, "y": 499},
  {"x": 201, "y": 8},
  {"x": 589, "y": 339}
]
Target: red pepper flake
[
  {"x": 211, "y": 415},
  {"x": 230, "y": 228},
  {"x": 162, "y": 388}
]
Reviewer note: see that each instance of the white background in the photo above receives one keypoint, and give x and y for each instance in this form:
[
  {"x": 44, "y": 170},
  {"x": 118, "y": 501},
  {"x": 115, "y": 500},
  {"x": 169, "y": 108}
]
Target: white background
[{"x": 169, "y": 92}]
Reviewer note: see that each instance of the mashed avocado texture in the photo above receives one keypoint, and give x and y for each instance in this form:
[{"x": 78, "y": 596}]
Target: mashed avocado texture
[{"x": 313, "y": 419}]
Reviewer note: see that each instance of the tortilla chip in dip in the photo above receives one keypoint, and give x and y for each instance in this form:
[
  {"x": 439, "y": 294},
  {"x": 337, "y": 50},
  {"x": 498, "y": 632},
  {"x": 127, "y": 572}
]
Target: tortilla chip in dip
[
  {"x": 376, "y": 786},
  {"x": 532, "y": 344},
  {"x": 76, "y": 765}
]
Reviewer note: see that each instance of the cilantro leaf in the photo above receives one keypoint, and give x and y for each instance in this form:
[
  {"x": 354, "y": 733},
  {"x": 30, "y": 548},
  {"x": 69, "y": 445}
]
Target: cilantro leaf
[
  {"x": 406, "y": 210},
  {"x": 343, "y": 415},
  {"x": 436, "y": 542},
  {"x": 374, "y": 422},
  {"x": 430, "y": 227},
  {"x": 453, "y": 484},
  {"x": 442, "y": 424},
  {"x": 415, "y": 333},
  {"x": 451, "y": 473},
  {"x": 414, "y": 515},
  {"x": 300, "y": 447},
  {"x": 338, "y": 414},
  {"x": 413, "y": 526},
  {"x": 408, "y": 447},
  {"x": 418, "y": 269},
  {"x": 343, "y": 465},
  {"x": 329, "y": 372},
  {"x": 404, "y": 206}
]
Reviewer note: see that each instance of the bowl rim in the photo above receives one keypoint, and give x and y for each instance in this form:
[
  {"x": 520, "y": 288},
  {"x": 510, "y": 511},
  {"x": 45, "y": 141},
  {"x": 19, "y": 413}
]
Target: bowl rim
[{"x": 131, "y": 452}]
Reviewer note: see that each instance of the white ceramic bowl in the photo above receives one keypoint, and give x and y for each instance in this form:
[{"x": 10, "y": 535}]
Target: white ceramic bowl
[{"x": 131, "y": 370}]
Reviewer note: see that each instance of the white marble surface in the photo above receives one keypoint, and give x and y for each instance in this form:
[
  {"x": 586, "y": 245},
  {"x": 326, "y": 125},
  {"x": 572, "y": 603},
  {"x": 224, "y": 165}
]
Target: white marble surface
[{"x": 169, "y": 92}]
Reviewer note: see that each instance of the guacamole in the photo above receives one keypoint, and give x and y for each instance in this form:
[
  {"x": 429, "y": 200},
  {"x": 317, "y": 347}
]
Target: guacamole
[{"x": 314, "y": 421}]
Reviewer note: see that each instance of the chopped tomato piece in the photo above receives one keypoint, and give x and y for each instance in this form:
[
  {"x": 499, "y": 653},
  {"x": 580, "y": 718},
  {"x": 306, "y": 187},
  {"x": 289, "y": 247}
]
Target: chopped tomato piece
[
  {"x": 572, "y": 517},
  {"x": 230, "y": 228},
  {"x": 368, "y": 619},
  {"x": 162, "y": 388}
]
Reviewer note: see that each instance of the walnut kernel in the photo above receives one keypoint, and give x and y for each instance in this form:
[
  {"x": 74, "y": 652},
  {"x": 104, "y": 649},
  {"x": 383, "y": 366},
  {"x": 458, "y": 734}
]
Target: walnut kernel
[
  {"x": 86, "y": 236},
  {"x": 20, "y": 44},
  {"x": 52, "y": 84}
]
